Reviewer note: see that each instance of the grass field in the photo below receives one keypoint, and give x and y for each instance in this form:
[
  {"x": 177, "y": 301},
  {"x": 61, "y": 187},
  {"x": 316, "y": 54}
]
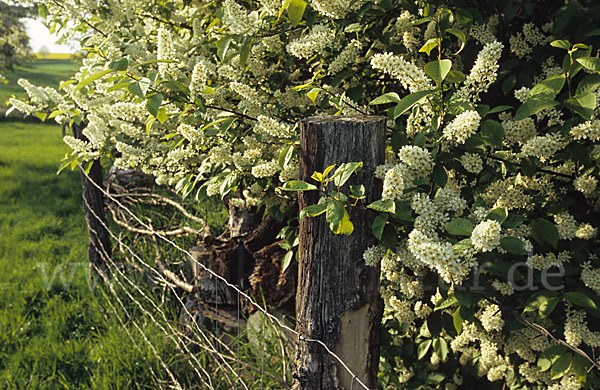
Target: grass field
[
  {"x": 47, "y": 71},
  {"x": 53, "y": 332}
]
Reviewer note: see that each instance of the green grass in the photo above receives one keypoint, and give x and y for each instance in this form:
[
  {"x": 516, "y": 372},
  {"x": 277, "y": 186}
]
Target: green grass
[
  {"x": 47, "y": 72},
  {"x": 54, "y": 335}
]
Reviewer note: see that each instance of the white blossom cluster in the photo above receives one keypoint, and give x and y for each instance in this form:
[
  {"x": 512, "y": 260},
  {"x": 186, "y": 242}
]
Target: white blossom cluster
[
  {"x": 335, "y": 9},
  {"x": 544, "y": 147},
  {"x": 411, "y": 77},
  {"x": 587, "y": 130},
  {"x": 317, "y": 41},
  {"x": 462, "y": 127},
  {"x": 348, "y": 56},
  {"x": 415, "y": 162},
  {"x": 586, "y": 185},
  {"x": 522, "y": 43},
  {"x": 270, "y": 126},
  {"x": 471, "y": 162},
  {"x": 486, "y": 235},
  {"x": 483, "y": 73},
  {"x": 373, "y": 255}
]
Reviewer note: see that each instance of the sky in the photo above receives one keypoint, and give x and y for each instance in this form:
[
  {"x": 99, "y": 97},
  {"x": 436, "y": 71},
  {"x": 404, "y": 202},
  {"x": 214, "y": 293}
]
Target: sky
[{"x": 40, "y": 36}]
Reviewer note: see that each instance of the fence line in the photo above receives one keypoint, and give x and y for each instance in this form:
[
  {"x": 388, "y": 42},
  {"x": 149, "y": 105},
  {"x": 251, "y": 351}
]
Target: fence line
[
  {"x": 174, "y": 332},
  {"x": 227, "y": 283}
]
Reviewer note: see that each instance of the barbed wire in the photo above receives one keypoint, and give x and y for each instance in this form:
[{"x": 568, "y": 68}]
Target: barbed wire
[
  {"x": 105, "y": 257},
  {"x": 225, "y": 281}
]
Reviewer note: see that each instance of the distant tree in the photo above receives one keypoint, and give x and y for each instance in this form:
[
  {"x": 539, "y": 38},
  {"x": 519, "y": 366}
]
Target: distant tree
[
  {"x": 44, "y": 51},
  {"x": 14, "y": 42}
]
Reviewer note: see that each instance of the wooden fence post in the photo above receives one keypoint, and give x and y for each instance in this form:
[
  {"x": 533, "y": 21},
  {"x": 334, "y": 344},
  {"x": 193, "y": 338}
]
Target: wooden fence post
[
  {"x": 99, "y": 245},
  {"x": 337, "y": 299}
]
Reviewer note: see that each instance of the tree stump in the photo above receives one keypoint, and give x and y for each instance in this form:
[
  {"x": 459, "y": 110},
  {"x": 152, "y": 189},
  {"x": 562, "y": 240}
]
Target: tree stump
[{"x": 338, "y": 299}]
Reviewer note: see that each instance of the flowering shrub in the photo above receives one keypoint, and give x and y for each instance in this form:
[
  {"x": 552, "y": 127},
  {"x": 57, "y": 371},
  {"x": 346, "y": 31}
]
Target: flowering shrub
[{"x": 488, "y": 220}]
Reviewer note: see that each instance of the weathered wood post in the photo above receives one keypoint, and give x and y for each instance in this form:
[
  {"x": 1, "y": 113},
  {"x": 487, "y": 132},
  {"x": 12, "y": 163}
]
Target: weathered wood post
[
  {"x": 337, "y": 299},
  {"x": 99, "y": 245}
]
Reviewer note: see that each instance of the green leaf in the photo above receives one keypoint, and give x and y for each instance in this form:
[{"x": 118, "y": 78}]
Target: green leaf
[
  {"x": 385, "y": 206},
  {"x": 153, "y": 104},
  {"x": 284, "y": 6},
  {"x": 389, "y": 238},
  {"x": 435, "y": 378},
  {"x": 328, "y": 169},
  {"x": 390, "y": 97},
  {"x": 463, "y": 245},
  {"x": 534, "y": 105},
  {"x": 285, "y": 156},
  {"x": 579, "y": 298},
  {"x": 295, "y": 11},
  {"x": 56, "y": 113},
  {"x": 403, "y": 211},
  {"x": 313, "y": 93},
  {"x": 548, "y": 87},
  {"x": 549, "y": 356},
  {"x": 498, "y": 214},
  {"x": 513, "y": 245},
  {"x": 430, "y": 45},
  {"x": 223, "y": 46},
  {"x": 590, "y": 83},
  {"x": 423, "y": 348},
  {"x": 499, "y": 109},
  {"x": 287, "y": 260},
  {"x": 581, "y": 366},
  {"x": 85, "y": 82},
  {"x": 591, "y": 63},
  {"x": 465, "y": 298},
  {"x": 492, "y": 132},
  {"x": 547, "y": 307},
  {"x": 378, "y": 225},
  {"x": 446, "y": 303},
  {"x": 455, "y": 76},
  {"x": 313, "y": 210},
  {"x": 540, "y": 301},
  {"x": 408, "y": 101},
  {"x": 440, "y": 177},
  {"x": 245, "y": 52},
  {"x": 541, "y": 97},
  {"x": 162, "y": 115},
  {"x": 561, "y": 366},
  {"x": 40, "y": 115},
  {"x": 65, "y": 83},
  {"x": 460, "y": 227},
  {"x": 460, "y": 35},
  {"x": 344, "y": 171},
  {"x": 119, "y": 65},
  {"x": 335, "y": 210},
  {"x": 118, "y": 86},
  {"x": 458, "y": 320},
  {"x": 438, "y": 70},
  {"x": 509, "y": 84},
  {"x": 43, "y": 10},
  {"x": 341, "y": 225},
  {"x": 298, "y": 185},
  {"x": 544, "y": 231},
  {"x": 139, "y": 88},
  {"x": 583, "y": 105},
  {"x": 357, "y": 191},
  {"x": 561, "y": 44},
  {"x": 513, "y": 221},
  {"x": 440, "y": 346}
]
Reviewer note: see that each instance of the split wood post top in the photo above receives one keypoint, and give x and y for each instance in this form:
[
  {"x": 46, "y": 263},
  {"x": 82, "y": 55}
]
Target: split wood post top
[{"x": 337, "y": 299}]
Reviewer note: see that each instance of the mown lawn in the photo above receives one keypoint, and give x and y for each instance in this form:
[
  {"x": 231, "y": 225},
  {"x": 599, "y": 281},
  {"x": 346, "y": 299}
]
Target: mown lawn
[
  {"x": 47, "y": 71},
  {"x": 53, "y": 332}
]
